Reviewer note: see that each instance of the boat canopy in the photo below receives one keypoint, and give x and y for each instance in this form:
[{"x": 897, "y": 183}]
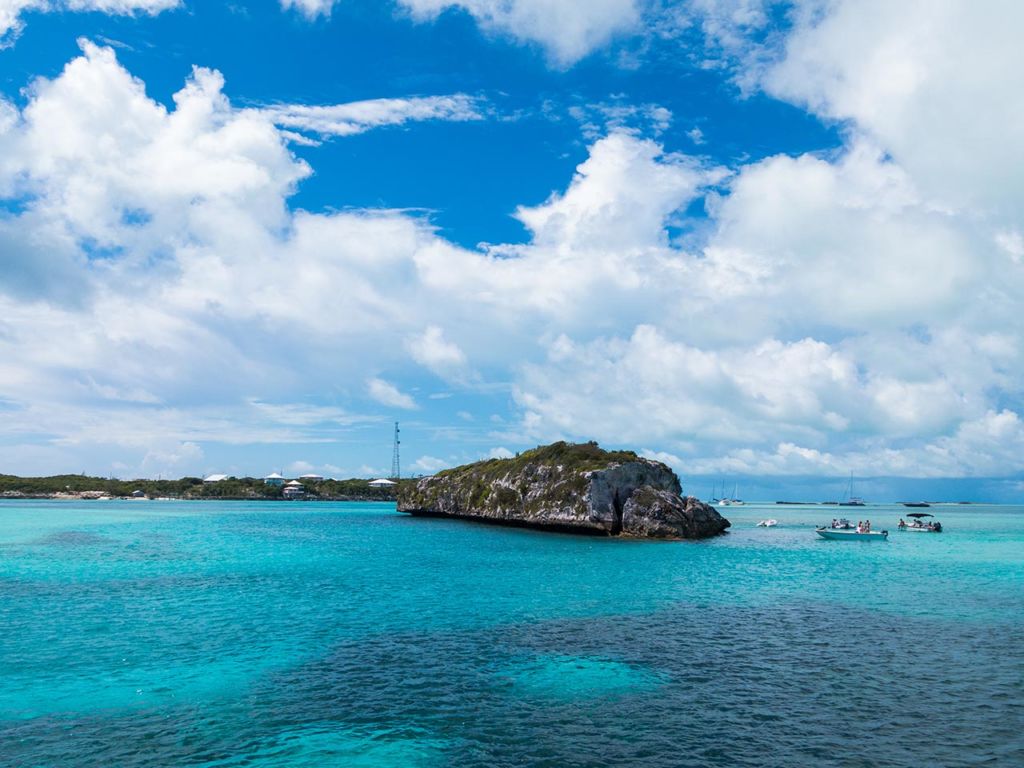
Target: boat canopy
[{"x": 919, "y": 514}]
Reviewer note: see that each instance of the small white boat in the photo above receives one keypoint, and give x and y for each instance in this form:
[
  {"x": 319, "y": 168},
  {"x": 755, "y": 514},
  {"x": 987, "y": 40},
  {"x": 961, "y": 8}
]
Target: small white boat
[
  {"x": 919, "y": 525},
  {"x": 769, "y": 523},
  {"x": 842, "y": 534}
]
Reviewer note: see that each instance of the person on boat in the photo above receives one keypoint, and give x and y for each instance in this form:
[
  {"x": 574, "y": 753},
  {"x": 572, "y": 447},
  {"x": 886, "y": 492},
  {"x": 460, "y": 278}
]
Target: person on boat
[
  {"x": 860, "y": 526},
  {"x": 835, "y": 523},
  {"x": 867, "y": 526},
  {"x": 903, "y": 523}
]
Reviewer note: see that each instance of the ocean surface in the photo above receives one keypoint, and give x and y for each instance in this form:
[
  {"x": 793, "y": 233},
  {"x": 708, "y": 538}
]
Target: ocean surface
[{"x": 158, "y": 633}]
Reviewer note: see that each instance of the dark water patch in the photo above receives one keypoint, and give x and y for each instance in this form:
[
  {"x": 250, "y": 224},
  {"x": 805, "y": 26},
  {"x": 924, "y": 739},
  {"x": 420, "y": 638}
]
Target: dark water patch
[
  {"x": 810, "y": 684},
  {"x": 72, "y": 539},
  {"x": 62, "y": 547}
]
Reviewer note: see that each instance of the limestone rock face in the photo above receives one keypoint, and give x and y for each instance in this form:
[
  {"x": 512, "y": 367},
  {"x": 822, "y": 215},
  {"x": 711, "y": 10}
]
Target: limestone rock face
[
  {"x": 565, "y": 487},
  {"x": 653, "y": 513}
]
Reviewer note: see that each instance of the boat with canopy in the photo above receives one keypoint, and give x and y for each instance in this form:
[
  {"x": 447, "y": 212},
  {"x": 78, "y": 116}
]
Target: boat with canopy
[{"x": 918, "y": 524}]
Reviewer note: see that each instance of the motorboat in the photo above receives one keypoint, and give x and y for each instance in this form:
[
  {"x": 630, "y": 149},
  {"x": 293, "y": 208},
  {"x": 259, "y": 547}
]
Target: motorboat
[
  {"x": 841, "y": 530},
  {"x": 771, "y": 522},
  {"x": 915, "y": 504},
  {"x": 840, "y": 534},
  {"x": 919, "y": 525}
]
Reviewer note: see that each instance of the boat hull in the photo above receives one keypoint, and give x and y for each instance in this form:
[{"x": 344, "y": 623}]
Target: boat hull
[{"x": 840, "y": 534}]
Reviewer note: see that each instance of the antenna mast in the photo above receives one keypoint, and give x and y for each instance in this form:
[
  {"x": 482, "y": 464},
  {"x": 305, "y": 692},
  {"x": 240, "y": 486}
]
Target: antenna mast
[{"x": 396, "y": 470}]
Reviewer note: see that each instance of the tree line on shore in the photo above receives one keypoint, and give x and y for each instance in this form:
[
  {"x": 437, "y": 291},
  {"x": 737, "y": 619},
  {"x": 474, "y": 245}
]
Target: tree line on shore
[{"x": 188, "y": 488}]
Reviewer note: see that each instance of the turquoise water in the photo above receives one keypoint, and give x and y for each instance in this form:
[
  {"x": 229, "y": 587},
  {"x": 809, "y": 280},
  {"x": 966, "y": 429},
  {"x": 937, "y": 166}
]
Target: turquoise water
[{"x": 259, "y": 634}]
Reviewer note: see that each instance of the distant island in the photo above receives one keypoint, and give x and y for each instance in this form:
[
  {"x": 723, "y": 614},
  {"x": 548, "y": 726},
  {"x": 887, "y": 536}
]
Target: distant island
[
  {"x": 574, "y": 488},
  {"x": 224, "y": 487}
]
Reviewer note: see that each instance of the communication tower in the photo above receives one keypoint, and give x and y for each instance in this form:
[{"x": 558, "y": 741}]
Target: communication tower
[{"x": 396, "y": 469}]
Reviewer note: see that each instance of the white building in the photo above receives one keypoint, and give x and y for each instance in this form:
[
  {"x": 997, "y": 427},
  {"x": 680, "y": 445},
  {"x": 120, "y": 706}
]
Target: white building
[
  {"x": 293, "y": 489},
  {"x": 382, "y": 483},
  {"x": 215, "y": 478},
  {"x": 274, "y": 479},
  {"x": 311, "y": 478}
]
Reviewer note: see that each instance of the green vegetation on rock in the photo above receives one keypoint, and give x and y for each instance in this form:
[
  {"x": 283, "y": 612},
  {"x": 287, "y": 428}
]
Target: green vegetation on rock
[{"x": 574, "y": 457}]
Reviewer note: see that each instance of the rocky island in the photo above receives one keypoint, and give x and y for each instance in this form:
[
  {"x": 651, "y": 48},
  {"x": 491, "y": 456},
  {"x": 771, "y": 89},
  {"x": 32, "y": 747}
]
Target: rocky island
[{"x": 575, "y": 488}]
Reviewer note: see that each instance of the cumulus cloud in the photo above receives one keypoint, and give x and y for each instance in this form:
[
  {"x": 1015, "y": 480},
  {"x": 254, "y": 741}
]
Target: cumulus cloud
[
  {"x": 936, "y": 86},
  {"x": 837, "y": 313},
  {"x": 430, "y": 464},
  {"x": 619, "y": 198},
  {"x": 300, "y": 467},
  {"x": 432, "y": 350},
  {"x": 388, "y": 394}
]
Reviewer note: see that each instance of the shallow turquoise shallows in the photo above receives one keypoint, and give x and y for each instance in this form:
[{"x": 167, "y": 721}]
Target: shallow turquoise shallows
[{"x": 158, "y": 633}]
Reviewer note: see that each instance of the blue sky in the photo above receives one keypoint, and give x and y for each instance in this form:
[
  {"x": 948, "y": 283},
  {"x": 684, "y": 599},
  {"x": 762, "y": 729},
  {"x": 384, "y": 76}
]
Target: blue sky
[{"x": 770, "y": 242}]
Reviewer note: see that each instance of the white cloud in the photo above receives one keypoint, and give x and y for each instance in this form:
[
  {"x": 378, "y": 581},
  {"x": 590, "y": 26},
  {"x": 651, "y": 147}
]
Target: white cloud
[
  {"x": 987, "y": 446},
  {"x": 432, "y": 350},
  {"x": 388, "y": 394},
  {"x": 430, "y": 464},
  {"x": 152, "y": 166},
  {"x": 567, "y": 30},
  {"x": 598, "y": 120},
  {"x": 832, "y": 315},
  {"x": 301, "y": 414},
  {"x": 170, "y": 460},
  {"x": 12, "y": 10},
  {"x": 1012, "y": 243},
  {"x": 10, "y": 15},
  {"x": 359, "y": 116},
  {"x": 936, "y": 85},
  {"x": 847, "y": 240},
  {"x": 619, "y": 199},
  {"x": 501, "y": 452},
  {"x": 310, "y": 8}
]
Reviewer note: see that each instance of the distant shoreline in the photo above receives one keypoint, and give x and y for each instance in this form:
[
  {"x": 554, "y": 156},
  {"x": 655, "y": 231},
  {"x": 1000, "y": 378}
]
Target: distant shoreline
[
  {"x": 16, "y": 496},
  {"x": 275, "y": 488}
]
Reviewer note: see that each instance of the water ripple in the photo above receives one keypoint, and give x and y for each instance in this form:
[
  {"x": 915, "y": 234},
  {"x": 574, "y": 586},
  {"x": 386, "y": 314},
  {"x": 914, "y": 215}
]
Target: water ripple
[{"x": 349, "y": 640}]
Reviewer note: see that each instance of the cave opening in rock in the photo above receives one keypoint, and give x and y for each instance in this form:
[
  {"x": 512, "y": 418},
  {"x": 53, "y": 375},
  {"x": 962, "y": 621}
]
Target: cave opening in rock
[{"x": 616, "y": 514}]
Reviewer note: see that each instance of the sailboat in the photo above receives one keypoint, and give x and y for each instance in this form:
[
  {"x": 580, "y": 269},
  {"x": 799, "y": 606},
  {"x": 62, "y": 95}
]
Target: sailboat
[
  {"x": 723, "y": 499},
  {"x": 851, "y": 500},
  {"x": 735, "y": 501}
]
